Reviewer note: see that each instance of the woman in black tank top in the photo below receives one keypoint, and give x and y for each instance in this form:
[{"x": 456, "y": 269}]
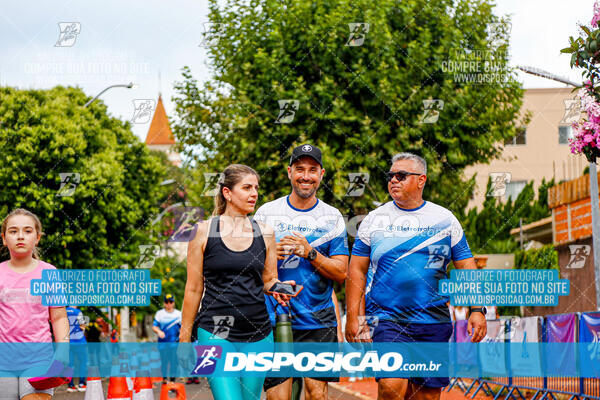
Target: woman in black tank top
[
  {"x": 233, "y": 306},
  {"x": 232, "y": 261}
]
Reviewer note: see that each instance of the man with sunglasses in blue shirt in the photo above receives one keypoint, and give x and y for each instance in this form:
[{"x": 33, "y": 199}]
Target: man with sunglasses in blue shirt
[{"x": 404, "y": 246}]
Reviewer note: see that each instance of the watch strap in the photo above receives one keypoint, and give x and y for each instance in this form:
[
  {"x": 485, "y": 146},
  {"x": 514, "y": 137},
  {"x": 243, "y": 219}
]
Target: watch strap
[{"x": 479, "y": 309}]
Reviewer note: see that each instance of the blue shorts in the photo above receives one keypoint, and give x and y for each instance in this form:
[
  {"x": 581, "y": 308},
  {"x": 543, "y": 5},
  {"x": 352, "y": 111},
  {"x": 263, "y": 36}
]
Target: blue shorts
[{"x": 394, "y": 331}]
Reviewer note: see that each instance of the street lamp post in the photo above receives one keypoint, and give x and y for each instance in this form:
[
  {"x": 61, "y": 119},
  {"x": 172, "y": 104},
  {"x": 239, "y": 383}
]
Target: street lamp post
[
  {"x": 128, "y": 86},
  {"x": 545, "y": 74}
]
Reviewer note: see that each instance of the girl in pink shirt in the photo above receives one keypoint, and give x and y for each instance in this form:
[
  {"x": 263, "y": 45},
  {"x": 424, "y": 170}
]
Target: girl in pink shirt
[{"x": 23, "y": 318}]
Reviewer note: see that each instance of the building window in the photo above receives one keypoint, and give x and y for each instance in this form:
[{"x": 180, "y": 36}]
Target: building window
[
  {"x": 514, "y": 188},
  {"x": 520, "y": 138},
  {"x": 564, "y": 134}
]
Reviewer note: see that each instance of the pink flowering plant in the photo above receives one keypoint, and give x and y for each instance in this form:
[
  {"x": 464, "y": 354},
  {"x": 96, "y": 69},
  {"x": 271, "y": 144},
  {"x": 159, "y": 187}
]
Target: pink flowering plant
[
  {"x": 586, "y": 138},
  {"x": 585, "y": 54}
]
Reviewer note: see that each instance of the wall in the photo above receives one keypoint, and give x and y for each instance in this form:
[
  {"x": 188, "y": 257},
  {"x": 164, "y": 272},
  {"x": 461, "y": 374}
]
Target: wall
[
  {"x": 542, "y": 156},
  {"x": 571, "y": 210},
  {"x": 582, "y": 295}
]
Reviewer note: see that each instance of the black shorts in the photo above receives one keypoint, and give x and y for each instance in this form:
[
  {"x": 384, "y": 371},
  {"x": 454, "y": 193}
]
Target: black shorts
[
  {"x": 393, "y": 331},
  {"x": 307, "y": 335}
]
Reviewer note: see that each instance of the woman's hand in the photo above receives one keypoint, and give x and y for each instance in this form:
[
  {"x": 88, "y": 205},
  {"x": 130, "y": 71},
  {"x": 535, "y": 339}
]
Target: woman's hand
[
  {"x": 281, "y": 298},
  {"x": 270, "y": 271},
  {"x": 186, "y": 357}
]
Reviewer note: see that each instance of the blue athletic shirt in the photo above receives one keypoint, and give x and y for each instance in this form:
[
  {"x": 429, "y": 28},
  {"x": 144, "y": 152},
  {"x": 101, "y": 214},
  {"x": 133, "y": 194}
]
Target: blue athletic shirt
[
  {"x": 169, "y": 323},
  {"x": 75, "y": 317},
  {"x": 325, "y": 230},
  {"x": 409, "y": 251}
]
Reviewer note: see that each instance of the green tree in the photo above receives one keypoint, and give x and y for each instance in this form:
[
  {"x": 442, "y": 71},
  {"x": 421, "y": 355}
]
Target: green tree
[
  {"x": 359, "y": 104},
  {"x": 488, "y": 229},
  {"x": 48, "y": 132}
]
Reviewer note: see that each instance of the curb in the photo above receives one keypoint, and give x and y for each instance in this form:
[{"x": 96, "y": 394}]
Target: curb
[{"x": 351, "y": 392}]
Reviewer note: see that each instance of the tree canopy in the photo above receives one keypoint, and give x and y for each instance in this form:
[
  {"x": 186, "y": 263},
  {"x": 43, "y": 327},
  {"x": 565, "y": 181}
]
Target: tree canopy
[
  {"x": 361, "y": 74},
  {"x": 98, "y": 212}
]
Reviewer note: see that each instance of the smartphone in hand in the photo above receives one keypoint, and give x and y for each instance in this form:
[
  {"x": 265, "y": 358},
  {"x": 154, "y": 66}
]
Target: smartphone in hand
[{"x": 285, "y": 288}]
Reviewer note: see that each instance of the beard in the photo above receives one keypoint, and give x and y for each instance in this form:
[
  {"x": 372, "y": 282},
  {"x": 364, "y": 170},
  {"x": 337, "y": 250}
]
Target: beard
[{"x": 304, "y": 193}]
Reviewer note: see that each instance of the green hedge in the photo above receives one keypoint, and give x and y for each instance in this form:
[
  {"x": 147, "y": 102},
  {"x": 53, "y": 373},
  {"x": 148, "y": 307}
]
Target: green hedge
[{"x": 543, "y": 258}]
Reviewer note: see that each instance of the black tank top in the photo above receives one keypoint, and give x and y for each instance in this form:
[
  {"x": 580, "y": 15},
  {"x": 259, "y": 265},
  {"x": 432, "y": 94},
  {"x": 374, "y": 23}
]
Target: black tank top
[{"x": 233, "y": 306}]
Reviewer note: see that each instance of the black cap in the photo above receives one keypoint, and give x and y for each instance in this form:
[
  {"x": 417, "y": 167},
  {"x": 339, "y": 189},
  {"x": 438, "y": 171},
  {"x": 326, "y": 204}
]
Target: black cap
[
  {"x": 306, "y": 150},
  {"x": 169, "y": 297}
]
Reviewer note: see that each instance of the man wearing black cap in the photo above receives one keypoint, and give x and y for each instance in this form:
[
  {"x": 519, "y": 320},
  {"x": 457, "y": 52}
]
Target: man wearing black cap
[
  {"x": 312, "y": 249},
  {"x": 167, "y": 323}
]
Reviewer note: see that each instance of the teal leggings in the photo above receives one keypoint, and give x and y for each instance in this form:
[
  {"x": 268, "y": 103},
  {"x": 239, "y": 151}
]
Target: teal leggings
[{"x": 226, "y": 388}]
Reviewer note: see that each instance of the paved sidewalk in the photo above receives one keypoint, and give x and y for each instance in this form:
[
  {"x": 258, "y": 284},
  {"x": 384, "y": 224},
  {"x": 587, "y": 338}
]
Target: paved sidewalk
[
  {"x": 360, "y": 390},
  {"x": 367, "y": 390}
]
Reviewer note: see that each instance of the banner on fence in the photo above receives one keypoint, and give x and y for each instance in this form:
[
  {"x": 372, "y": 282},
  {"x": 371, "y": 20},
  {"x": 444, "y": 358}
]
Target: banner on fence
[
  {"x": 561, "y": 329},
  {"x": 526, "y": 358},
  {"x": 466, "y": 358},
  {"x": 493, "y": 356},
  {"x": 589, "y": 341}
]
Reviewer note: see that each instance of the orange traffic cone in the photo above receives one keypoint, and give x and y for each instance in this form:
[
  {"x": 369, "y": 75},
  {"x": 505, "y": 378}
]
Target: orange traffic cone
[
  {"x": 117, "y": 386},
  {"x": 94, "y": 385},
  {"x": 117, "y": 389},
  {"x": 177, "y": 388},
  {"x": 142, "y": 388}
]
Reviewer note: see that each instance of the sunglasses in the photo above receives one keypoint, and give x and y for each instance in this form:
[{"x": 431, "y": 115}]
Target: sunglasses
[{"x": 399, "y": 175}]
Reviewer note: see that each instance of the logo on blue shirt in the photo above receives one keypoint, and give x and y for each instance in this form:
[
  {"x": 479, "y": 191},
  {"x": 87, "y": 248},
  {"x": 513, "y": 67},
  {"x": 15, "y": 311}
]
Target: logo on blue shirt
[
  {"x": 282, "y": 227},
  {"x": 438, "y": 254}
]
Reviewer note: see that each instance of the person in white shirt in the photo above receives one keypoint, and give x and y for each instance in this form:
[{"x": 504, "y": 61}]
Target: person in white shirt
[{"x": 167, "y": 324}]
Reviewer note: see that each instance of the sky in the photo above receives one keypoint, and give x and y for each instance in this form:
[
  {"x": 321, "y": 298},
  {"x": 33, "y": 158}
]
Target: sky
[{"x": 148, "y": 42}]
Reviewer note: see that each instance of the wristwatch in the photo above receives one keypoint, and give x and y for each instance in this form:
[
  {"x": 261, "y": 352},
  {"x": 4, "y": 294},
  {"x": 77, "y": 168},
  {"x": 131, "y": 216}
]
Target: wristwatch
[
  {"x": 312, "y": 255},
  {"x": 482, "y": 310}
]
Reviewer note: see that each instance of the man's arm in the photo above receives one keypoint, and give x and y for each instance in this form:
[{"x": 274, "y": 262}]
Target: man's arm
[
  {"x": 355, "y": 290},
  {"x": 158, "y": 331},
  {"x": 334, "y": 267},
  {"x": 477, "y": 324},
  {"x": 338, "y": 317}
]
